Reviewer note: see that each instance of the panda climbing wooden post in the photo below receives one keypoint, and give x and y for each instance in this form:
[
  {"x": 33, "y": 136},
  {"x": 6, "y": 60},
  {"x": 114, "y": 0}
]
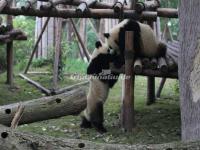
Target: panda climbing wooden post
[{"x": 128, "y": 89}]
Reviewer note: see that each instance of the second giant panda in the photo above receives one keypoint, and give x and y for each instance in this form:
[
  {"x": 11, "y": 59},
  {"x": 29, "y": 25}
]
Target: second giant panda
[
  {"x": 145, "y": 42},
  {"x": 101, "y": 80}
]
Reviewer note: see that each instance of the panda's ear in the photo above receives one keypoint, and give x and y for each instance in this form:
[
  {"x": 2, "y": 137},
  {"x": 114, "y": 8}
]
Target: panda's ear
[
  {"x": 106, "y": 35},
  {"x": 98, "y": 44}
]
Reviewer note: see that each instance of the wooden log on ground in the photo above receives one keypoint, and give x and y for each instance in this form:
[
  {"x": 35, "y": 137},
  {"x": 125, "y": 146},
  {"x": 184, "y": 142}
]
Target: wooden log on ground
[
  {"x": 37, "y": 85},
  {"x": 29, "y": 141},
  {"x": 26, "y": 141},
  {"x": 138, "y": 66},
  {"x": 70, "y": 103},
  {"x": 127, "y": 113},
  {"x": 162, "y": 83},
  {"x": 162, "y": 65},
  {"x": 68, "y": 88}
]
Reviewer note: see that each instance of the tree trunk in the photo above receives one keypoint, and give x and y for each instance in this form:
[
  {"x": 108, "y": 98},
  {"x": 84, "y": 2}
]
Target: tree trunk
[
  {"x": 189, "y": 68},
  {"x": 70, "y": 103}
]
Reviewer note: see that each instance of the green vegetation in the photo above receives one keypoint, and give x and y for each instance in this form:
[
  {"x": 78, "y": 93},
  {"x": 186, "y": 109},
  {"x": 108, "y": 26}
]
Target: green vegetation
[{"x": 158, "y": 123}]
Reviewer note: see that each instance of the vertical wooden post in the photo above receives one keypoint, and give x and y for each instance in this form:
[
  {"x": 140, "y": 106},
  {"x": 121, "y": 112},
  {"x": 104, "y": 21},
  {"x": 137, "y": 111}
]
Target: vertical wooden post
[
  {"x": 150, "y": 84},
  {"x": 128, "y": 90},
  {"x": 150, "y": 90},
  {"x": 57, "y": 53},
  {"x": 10, "y": 57}
]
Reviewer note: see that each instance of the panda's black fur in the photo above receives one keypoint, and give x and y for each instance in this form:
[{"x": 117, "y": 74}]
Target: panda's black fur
[
  {"x": 130, "y": 26},
  {"x": 138, "y": 31},
  {"x": 98, "y": 63},
  {"x": 101, "y": 62}
]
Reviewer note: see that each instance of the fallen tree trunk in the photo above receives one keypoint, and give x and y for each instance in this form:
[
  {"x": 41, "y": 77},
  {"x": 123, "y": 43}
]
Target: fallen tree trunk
[
  {"x": 27, "y": 141},
  {"x": 70, "y": 103}
]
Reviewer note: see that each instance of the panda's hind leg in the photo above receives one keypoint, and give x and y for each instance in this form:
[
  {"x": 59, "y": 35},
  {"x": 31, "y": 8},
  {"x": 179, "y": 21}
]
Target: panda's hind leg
[
  {"x": 97, "y": 118},
  {"x": 85, "y": 123}
]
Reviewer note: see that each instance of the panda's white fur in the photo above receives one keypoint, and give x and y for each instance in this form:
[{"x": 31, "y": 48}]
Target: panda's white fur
[
  {"x": 98, "y": 90},
  {"x": 101, "y": 48},
  {"x": 149, "y": 42},
  {"x": 97, "y": 94}
]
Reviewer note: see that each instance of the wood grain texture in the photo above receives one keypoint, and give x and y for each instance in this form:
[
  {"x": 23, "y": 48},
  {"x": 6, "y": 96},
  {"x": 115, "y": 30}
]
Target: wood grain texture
[
  {"x": 189, "y": 62},
  {"x": 70, "y": 103}
]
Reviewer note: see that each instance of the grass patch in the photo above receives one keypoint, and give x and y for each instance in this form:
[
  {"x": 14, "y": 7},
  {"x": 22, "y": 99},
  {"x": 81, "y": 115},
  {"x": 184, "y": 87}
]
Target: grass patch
[{"x": 158, "y": 123}]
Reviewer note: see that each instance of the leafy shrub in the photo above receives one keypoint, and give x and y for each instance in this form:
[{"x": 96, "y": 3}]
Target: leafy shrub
[
  {"x": 40, "y": 62},
  {"x": 23, "y": 49}
]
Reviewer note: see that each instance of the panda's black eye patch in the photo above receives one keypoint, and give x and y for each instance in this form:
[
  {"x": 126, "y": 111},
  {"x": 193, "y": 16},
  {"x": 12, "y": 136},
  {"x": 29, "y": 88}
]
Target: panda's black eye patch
[{"x": 110, "y": 47}]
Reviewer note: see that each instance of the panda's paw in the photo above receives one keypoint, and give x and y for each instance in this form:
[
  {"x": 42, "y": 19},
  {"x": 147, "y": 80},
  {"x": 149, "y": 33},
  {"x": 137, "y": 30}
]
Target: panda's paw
[
  {"x": 85, "y": 123},
  {"x": 100, "y": 128}
]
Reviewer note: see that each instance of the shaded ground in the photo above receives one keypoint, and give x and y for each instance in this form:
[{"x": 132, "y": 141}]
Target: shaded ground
[{"x": 158, "y": 123}]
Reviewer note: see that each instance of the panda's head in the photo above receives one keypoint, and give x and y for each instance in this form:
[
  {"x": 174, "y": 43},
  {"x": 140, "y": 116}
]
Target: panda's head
[
  {"x": 101, "y": 48},
  {"x": 99, "y": 65},
  {"x": 100, "y": 59},
  {"x": 111, "y": 41}
]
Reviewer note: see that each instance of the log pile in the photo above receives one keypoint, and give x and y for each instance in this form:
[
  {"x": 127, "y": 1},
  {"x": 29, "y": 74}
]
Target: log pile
[
  {"x": 161, "y": 67},
  {"x": 91, "y": 9}
]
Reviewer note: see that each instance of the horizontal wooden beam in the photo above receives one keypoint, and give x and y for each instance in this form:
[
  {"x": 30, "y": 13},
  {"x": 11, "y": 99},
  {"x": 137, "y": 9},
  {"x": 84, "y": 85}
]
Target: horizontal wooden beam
[
  {"x": 167, "y": 12},
  {"x": 93, "y": 13}
]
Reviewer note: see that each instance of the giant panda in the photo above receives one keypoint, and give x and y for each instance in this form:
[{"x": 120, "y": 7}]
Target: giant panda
[
  {"x": 98, "y": 70},
  {"x": 145, "y": 42}
]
